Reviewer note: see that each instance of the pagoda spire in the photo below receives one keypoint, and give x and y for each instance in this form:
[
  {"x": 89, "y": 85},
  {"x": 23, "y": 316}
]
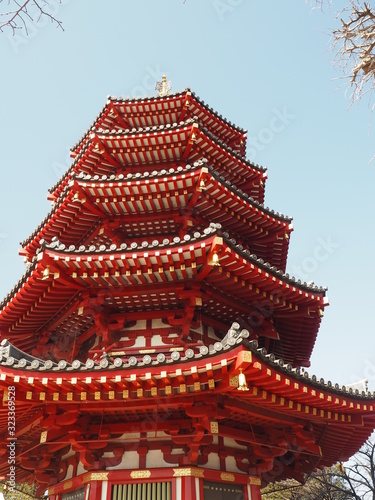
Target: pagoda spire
[{"x": 163, "y": 87}]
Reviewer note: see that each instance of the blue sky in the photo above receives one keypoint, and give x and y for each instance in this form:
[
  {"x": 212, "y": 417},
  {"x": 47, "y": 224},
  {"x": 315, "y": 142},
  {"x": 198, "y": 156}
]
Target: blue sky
[{"x": 264, "y": 65}]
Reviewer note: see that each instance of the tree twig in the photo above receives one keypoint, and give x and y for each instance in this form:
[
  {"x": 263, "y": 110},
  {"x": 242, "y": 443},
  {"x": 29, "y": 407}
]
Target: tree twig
[{"x": 17, "y": 14}]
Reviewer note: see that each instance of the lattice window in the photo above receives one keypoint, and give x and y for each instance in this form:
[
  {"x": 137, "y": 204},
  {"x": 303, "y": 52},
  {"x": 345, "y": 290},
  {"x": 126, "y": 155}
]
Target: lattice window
[
  {"x": 145, "y": 491},
  {"x": 222, "y": 491}
]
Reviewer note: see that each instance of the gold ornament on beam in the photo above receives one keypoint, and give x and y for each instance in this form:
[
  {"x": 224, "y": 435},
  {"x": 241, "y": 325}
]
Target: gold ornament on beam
[
  {"x": 98, "y": 149},
  {"x": 46, "y": 273}
]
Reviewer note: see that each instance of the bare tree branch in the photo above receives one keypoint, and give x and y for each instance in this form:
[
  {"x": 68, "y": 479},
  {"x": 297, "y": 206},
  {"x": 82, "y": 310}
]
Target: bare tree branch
[
  {"x": 319, "y": 4},
  {"x": 17, "y": 15},
  {"x": 353, "y": 45},
  {"x": 356, "y": 481}
]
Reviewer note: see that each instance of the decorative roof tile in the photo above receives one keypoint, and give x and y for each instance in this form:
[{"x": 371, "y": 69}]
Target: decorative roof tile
[
  {"x": 10, "y": 356},
  {"x": 121, "y": 100},
  {"x": 149, "y": 130}
]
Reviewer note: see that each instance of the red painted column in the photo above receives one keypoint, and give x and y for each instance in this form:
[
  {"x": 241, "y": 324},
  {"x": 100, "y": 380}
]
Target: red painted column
[
  {"x": 255, "y": 492},
  {"x": 187, "y": 488},
  {"x": 201, "y": 490},
  {"x": 95, "y": 492}
]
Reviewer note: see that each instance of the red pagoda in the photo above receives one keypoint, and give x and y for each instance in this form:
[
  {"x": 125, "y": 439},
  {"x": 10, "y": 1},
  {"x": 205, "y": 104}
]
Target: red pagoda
[{"x": 155, "y": 347}]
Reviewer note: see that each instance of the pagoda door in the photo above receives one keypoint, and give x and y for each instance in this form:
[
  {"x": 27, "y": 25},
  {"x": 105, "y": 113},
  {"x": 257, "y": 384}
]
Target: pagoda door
[
  {"x": 145, "y": 491},
  {"x": 222, "y": 491},
  {"x": 74, "y": 495}
]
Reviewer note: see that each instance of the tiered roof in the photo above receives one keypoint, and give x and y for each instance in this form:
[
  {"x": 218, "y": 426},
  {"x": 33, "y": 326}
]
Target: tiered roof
[
  {"x": 286, "y": 416},
  {"x": 134, "y": 113},
  {"x": 156, "y": 281},
  {"x": 111, "y": 152},
  {"x": 158, "y": 184},
  {"x": 239, "y": 285},
  {"x": 166, "y": 198}
]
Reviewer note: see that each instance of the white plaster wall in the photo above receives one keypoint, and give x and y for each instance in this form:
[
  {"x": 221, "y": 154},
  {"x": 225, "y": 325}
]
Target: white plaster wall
[
  {"x": 140, "y": 325},
  {"x": 68, "y": 455},
  {"x": 155, "y": 459},
  {"x": 213, "y": 461},
  {"x": 156, "y": 340},
  {"x": 80, "y": 469},
  {"x": 158, "y": 323},
  {"x": 211, "y": 333},
  {"x": 198, "y": 330},
  {"x": 230, "y": 465},
  {"x": 140, "y": 341},
  {"x": 69, "y": 472},
  {"x": 131, "y": 435},
  {"x": 159, "y": 434},
  {"x": 130, "y": 460},
  {"x": 231, "y": 443}
]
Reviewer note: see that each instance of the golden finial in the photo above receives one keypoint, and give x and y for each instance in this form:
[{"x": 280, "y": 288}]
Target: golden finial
[{"x": 163, "y": 87}]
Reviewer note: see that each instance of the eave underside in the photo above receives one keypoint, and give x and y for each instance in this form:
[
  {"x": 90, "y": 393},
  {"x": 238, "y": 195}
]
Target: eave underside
[
  {"x": 121, "y": 153},
  {"x": 164, "y": 278},
  {"x": 113, "y": 211},
  {"x": 192, "y": 408}
]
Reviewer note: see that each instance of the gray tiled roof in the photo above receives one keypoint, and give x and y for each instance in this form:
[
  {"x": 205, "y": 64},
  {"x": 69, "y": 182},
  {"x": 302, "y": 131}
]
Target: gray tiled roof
[
  {"x": 177, "y": 241},
  {"x": 154, "y": 174},
  {"x": 158, "y": 98},
  {"x": 157, "y": 128},
  {"x": 10, "y": 356}
]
